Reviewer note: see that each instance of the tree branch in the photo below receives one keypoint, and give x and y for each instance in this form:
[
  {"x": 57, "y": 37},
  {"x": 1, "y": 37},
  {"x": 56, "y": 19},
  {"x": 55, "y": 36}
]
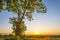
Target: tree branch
[{"x": 23, "y": 15}]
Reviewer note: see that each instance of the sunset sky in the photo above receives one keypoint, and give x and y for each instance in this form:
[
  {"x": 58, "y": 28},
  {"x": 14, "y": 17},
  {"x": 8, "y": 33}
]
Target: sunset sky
[{"x": 48, "y": 23}]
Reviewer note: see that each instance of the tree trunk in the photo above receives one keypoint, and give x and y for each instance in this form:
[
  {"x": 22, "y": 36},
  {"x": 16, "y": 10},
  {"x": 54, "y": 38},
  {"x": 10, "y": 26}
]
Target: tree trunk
[
  {"x": 17, "y": 26},
  {"x": 17, "y": 38}
]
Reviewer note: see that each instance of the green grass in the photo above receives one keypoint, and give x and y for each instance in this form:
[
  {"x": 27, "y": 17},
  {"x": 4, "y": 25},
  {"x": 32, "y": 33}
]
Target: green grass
[
  {"x": 1, "y": 38},
  {"x": 42, "y": 39},
  {"x": 32, "y": 38},
  {"x": 35, "y": 39}
]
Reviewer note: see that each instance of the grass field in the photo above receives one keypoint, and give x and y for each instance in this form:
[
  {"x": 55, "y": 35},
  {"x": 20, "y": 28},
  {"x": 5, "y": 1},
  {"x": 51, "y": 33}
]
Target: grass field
[
  {"x": 39, "y": 37},
  {"x": 34, "y": 37},
  {"x": 42, "y": 39}
]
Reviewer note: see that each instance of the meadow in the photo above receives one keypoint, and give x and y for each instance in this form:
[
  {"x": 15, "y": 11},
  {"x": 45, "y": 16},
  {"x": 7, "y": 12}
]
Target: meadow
[
  {"x": 42, "y": 37},
  {"x": 33, "y": 37}
]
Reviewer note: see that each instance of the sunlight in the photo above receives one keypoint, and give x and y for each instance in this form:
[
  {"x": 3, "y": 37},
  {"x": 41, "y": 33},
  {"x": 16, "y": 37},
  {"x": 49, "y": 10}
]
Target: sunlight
[{"x": 36, "y": 32}]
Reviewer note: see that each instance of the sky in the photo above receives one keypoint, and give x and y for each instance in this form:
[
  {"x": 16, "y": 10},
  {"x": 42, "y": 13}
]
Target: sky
[{"x": 48, "y": 23}]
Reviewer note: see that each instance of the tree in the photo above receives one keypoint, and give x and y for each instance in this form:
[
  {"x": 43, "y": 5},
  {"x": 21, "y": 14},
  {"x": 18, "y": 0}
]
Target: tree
[{"x": 24, "y": 10}]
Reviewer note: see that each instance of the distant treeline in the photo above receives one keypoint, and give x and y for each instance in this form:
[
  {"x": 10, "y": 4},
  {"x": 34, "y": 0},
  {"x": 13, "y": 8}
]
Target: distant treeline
[
  {"x": 42, "y": 36},
  {"x": 32, "y": 36}
]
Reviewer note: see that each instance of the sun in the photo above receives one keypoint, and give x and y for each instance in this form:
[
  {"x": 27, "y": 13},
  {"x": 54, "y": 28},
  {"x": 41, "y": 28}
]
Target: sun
[{"x": 37, "y": 32}]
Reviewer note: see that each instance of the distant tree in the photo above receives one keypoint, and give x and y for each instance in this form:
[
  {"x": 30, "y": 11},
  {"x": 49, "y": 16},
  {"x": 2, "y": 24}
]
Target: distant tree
[{"x": 24, "y": 10}]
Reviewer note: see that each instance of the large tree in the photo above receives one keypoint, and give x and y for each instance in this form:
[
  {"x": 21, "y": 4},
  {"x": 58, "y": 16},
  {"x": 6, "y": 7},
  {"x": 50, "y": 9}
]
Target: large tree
[{"x": 23, "y": 10}]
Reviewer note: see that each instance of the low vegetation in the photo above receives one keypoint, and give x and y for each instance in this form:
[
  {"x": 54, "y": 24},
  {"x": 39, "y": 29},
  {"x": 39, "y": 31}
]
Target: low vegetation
[{"x": 31, "y": 37}]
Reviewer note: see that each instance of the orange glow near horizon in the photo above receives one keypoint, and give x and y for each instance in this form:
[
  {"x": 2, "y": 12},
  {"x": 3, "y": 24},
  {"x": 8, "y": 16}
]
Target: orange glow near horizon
[
  {"x": 34, "y": 32},
  {"x": 42, "y": 33}
]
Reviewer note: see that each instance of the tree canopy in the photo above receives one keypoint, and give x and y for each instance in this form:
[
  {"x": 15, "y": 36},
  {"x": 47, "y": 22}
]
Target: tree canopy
[{"x": 24, "y": 10}]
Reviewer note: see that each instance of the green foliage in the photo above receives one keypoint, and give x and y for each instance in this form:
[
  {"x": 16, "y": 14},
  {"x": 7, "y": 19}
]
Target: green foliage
[
  {"x": 18, "y": 6},
  {"x": 18, "y": 28},
  {"x": 24, "y": 9}
]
